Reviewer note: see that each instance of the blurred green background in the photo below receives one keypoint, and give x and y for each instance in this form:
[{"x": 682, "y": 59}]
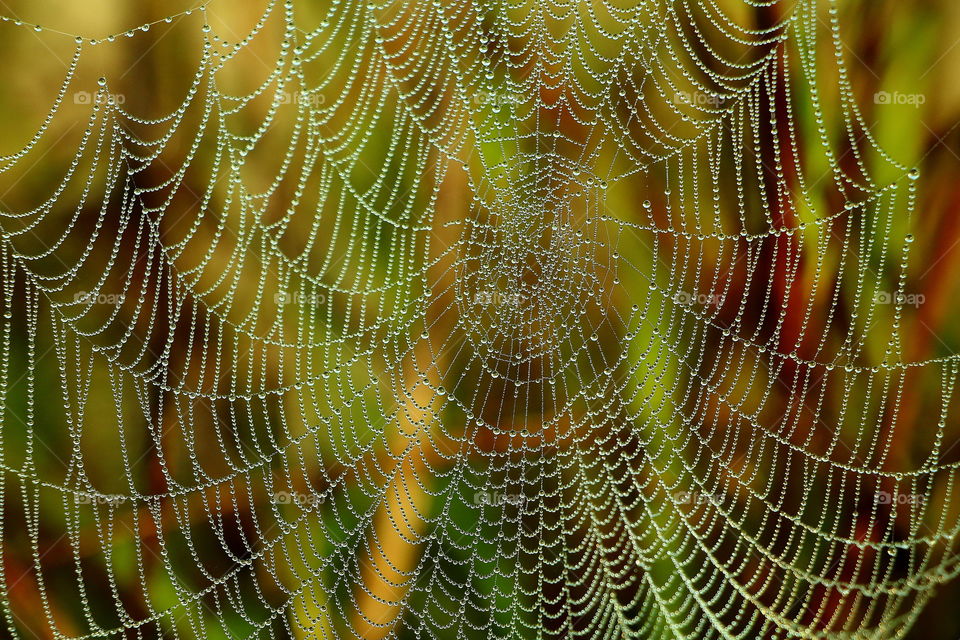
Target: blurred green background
[{"x": 892, "y": 48}]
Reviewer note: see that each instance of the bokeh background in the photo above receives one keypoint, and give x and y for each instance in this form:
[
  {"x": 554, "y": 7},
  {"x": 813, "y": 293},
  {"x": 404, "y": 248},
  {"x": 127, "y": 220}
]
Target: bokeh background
[{"x": 892, "y": 48}]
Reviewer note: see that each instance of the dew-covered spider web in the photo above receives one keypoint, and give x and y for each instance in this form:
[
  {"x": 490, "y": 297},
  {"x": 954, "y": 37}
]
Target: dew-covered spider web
[{"x": 465, "y": 319}]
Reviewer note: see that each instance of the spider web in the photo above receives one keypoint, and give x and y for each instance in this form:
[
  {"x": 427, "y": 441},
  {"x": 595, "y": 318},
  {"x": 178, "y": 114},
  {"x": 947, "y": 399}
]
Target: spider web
[{"x": 471, "y": 320}]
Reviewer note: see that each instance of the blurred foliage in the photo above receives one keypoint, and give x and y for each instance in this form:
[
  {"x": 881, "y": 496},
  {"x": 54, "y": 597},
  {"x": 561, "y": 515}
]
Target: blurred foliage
[{"x": 893, "y": 46}]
